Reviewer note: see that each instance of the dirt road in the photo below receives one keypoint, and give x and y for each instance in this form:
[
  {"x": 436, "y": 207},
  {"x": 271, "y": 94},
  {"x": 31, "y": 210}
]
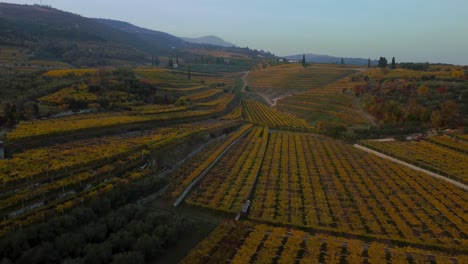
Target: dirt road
[{"x": 432, "y": 174}]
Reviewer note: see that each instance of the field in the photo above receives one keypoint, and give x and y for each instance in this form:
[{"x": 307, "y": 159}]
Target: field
[
  {"x": 452, "y": 143},
  {"x": 37, "y": 161},
  {"x": 73, "y": 124},
  {"x": 315, "y": 181},
  {"x": 179, "y": 78},
  {"x": 235, "y": 114},
  {"x": 120, "y": 144},
  {"x": 201, "y": 150},
  {"x": 203, "y": 95},
  {"x": 218, "y": 104},
  {"x": 70, "y": 124},
  {"x": 166, "y": 77},
  {"x": 182, "y": 178},
  {"x": 434, "y": 157},
  {"x": 247, "y": 242},
  {"x": 220, "y": 79},
  {"x": 260, "y": 114},
  {"x": 141, "y": 115},
  {"x": 60, "y": 173},
  {"x": 282, "y": 80},
  {"x": 406, "y": 73},
  {"x": 176, "y": 81},
  {"x": 228, "y": 185},
  {"x": 77, "y": 93},
  {"x": 125, "y": 145},
  {"x": 327, "y": 103},
  {"x": 65, "y": 72},
  {"x": 156, "y": 109},
  {"x": 19, "y": 60}
]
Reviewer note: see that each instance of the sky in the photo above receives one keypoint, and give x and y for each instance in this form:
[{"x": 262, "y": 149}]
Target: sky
[{"x": 409, "y": 30}]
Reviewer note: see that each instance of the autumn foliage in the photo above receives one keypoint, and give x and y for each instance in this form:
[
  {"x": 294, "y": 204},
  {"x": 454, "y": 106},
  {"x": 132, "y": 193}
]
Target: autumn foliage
[{"x": 246, "y": 242}]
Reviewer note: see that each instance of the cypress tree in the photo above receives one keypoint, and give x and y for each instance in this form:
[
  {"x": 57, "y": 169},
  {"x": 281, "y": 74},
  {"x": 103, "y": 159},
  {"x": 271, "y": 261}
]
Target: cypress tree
[
  {"x": 383, "y": 62},
  {"x": 368, "y": 63},
  {"x": 171, "y": 62},
  {"x": 393, "y": 63},
  {"x": 303, "y": 60}
]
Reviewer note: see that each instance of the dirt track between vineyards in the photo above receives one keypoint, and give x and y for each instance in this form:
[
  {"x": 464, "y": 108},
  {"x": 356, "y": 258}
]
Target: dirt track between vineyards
[
  {"x": 273, "y": 101},
  {"x": 432, "y": 174}
]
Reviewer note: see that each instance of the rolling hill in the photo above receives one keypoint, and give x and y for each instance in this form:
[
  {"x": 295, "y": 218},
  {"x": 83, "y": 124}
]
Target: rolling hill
[
  {"x": 211, "y": 40},
  {"x": 49, "y": 33},
  {"x": 158, "y": 38},
  {"x": 329, "y": 59},
  {"x": 46, "y": 33}
]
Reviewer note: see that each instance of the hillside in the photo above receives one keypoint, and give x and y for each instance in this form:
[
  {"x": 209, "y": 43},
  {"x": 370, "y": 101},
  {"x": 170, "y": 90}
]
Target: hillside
[
  {"x": 157, "y": 38},
  {"x": 309, "y": 57},
  {"x": 163, "y": 152},
  {"x": 212, "y": 40},
  {"x": 279, "y": 81},
  {"x": 45, "y": 33},
  {"x": 152, "y": 152},
  {"x": 53, "y": 34}
]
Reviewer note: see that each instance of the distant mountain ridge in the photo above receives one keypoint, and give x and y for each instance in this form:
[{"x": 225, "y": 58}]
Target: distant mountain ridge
[
  {"x": 51, "y": 34},
  {"x": 310, "y": 57},
  {"x": 211, "y": 40},
  {"x": 145, "y": 34}
]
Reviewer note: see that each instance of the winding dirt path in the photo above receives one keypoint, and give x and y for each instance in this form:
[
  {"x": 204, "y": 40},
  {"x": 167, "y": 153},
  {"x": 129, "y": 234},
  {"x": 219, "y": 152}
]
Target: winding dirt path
[
  {"x": 368, "y": 117},
  {"x": 263, "y": 96},
  {"x": 275, "y": 100}
]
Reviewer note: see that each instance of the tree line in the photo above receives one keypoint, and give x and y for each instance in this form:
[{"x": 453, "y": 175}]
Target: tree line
[
  {"x": 108, "y": 228},
  {"x": 383, "y": 63},
  {"x": 427, "y": 100}
]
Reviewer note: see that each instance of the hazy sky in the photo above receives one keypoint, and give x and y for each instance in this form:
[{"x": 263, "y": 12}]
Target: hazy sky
[{"x": 410, "y": 30}]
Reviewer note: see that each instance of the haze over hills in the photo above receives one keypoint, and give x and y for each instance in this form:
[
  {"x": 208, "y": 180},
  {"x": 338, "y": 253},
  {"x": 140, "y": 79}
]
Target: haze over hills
[
  {"x": 55, "y": 34},
  {"x": 309, "y": 57},
  {"x": 121, "y": 144},
  {"x": 148, "y": 35},
  {"x": 52, "y": 34},
  {"x": 212, "y": 40},
  {"x": 261, "y": 27}
]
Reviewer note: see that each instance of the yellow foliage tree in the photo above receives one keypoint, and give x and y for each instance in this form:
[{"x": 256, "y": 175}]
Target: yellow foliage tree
[
  {"x": 436, "y": 119},
  {"x": 457, "y": 74},
  {"x": 423, "y": 90}
]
